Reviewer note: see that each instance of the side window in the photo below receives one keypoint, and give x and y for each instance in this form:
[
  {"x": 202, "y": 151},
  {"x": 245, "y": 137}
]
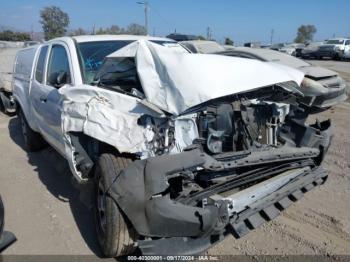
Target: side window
[
  {"x": 58, "y": 72},
  {"x": 347, "y": 42},
  {"x": 39, "y": 71}
]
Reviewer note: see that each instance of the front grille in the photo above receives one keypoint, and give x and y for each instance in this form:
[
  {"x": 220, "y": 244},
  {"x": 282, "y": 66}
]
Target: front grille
[{"x": 326, "y": 48}]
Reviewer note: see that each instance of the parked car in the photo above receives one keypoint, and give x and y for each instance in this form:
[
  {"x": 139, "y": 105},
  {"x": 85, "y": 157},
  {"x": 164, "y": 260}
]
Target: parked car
[
  {"x": 202, "y": 46},
  {"x": 311, "y": 50},
  {"x": 277, "y": 46},
  {"x": 334, "y": 48},
  {"x": 252, "y": 44},
  {"x": 181, "y": 37},
  {"x": 293, "y": 49},
  {"x": 346, "y": 54},
  {"x": 322, "y": 88},
  {"x": 181, "y": 150},
  {"x": 6, "y": 238}
]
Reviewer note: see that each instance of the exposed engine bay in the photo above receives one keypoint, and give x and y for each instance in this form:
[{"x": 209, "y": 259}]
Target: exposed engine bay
[
  {"x": 219, "y": 164},
  {"x": 219, "y": 128},
  {"x": 236, "y": 137},
  {"x": 239, "y": 126}
]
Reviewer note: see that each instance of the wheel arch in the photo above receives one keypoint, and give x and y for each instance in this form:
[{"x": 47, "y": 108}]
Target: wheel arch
[
  {"x": 25, "y": 108},
  {"x": 85, "y": 153}
]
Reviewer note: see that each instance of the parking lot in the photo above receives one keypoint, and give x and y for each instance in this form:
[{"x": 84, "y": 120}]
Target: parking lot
[{"x": 50, "y": 215}]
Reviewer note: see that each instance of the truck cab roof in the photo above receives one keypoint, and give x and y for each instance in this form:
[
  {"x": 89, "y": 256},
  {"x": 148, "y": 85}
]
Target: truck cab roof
[{"x": 95, "y": 38}]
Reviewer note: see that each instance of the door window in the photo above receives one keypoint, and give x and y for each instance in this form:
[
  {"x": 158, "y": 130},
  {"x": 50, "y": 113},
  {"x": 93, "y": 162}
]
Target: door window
[
  {"x": 58, "y": 73},
  {"x": 39, "y": 71}
]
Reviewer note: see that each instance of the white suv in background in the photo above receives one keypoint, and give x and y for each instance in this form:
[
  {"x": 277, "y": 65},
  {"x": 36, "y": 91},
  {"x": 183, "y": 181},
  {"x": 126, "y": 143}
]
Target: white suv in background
[
  {"x": 346, "y": 52},
  {"x": 335, "y": 48}
]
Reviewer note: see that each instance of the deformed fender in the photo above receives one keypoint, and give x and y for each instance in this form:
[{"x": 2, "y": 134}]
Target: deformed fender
[
  {"x": 140, "y": 189},
  {"x": 107, "y": 116}
]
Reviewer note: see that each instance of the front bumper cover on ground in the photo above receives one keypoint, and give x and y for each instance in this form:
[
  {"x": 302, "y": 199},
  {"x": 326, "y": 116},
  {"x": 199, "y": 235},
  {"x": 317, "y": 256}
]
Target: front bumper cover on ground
[
  {"x": 184, "y": 227},
  {"x": 254, "y": 216}
]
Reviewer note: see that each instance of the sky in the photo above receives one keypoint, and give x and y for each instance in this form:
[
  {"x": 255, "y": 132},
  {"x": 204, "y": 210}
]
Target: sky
[{"x": 241, "y": 20}]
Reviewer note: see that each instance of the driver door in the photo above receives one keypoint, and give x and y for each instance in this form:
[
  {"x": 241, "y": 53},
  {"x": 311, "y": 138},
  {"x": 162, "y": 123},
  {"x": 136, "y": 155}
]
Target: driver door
[{"x": 45, "y": 96}]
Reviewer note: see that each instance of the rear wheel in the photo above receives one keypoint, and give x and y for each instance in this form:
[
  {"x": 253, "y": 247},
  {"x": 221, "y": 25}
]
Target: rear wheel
[
  {"x": 33, "y": 141},
  {"x": 115, "y": 233}
]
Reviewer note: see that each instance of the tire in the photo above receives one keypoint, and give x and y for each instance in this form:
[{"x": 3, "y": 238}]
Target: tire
[
  {"x": 115, "y": 233},
  {"x": 2, "y": 107},
  {"x": 336, "y": 57},
  {"x": 33, "y": 141}
]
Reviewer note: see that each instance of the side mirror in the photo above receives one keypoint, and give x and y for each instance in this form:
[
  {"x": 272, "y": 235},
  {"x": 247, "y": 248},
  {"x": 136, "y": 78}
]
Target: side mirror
[{"x": 61, "y": 79}]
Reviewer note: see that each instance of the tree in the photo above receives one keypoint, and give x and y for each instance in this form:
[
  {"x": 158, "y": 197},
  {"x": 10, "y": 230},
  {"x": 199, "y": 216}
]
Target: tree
[
  {"x": 101, "y": 31},
  {"x": 115, "y": 30},
  {"x": 228, "y": 41},
  {"x": 136, "y": 29},
  {"x": 305, "y": 33},
  {"x": 79, "y": 31},
  {"x": 9, "y": 35},
  {"x": 200, "y": 37},
  {"x": 132, "y": 29},
  {"x": 54, "y": 22}
]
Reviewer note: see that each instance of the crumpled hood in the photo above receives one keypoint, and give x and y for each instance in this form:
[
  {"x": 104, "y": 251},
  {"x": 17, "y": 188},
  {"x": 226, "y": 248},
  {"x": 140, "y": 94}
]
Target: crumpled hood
[
  {"x": 176, "y": 81},
  {"x": 317, "y": 72}
]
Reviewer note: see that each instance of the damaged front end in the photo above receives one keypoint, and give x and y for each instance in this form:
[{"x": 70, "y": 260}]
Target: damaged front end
[
  {"x": 221, "y": 168},
  {"x": 219, "y": 144}
]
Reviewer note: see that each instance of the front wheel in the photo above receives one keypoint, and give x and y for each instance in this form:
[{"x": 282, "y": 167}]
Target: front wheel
[{"x": 115, "y": 233}]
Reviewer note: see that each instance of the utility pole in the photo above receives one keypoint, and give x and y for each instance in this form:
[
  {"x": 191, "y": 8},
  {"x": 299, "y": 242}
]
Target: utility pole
[
  {"x": 146, "y": 6},
  {"x": 32, "y": 32},
  {"x": 271, "y": 37},
  {"x": 208, "y": 33}
]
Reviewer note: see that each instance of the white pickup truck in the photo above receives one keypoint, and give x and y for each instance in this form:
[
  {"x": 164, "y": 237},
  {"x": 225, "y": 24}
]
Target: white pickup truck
[
  {"x": 183, "y": 149},
  {"x": 336, "y": 48}
]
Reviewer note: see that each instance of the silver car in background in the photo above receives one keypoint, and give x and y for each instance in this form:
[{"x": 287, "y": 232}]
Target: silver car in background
[
  {"x": 202, "y": 46},
  {"x": 322, "y": 88}
]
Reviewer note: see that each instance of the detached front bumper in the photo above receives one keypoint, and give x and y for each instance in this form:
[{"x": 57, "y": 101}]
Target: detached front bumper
[
  {"x": 254, "y": 215},
  {"x": 191, "y": 223}
]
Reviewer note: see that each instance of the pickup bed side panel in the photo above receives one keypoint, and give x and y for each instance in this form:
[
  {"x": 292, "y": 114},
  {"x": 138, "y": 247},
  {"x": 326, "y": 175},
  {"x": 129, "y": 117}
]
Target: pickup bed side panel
[{"x": 21, "y": 83}]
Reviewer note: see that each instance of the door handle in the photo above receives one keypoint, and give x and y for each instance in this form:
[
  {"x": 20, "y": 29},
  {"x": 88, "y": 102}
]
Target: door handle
[{"x": 43, "y": 99}]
